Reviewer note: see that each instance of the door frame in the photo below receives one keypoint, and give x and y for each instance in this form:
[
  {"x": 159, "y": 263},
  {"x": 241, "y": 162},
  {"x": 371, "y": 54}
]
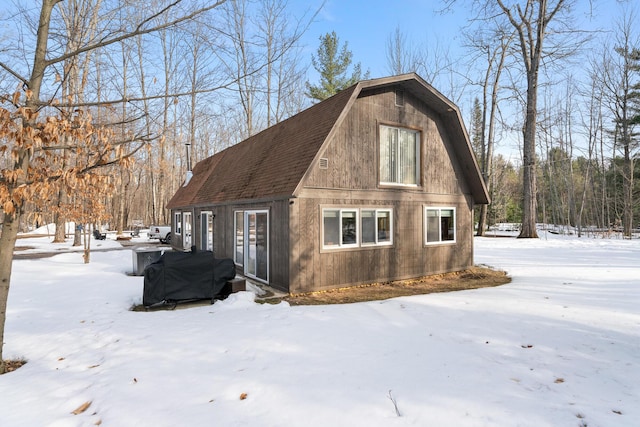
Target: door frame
[
  {"x": 206, "y": 230},
  {"x": 247, "y": 244}
]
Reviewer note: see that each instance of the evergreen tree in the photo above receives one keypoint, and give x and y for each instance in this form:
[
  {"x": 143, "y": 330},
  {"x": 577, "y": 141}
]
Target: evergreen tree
[{"x": 333, "y": 62}]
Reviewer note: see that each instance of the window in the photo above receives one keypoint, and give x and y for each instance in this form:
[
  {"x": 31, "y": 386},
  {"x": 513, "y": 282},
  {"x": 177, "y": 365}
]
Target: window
[
  {"x": 340, "y": 227},
  {"x": 439, "y": 225},
  {"x": 177, "y": 223},
  {"x": 352, "y": 228},
  {"x": 206, "y": 230},
  {"x": 399, "y": 156},
  {"x": 376, "y": 226},
  {"x": 239, "y": 238},
  {"x": 186, "y": 224}
]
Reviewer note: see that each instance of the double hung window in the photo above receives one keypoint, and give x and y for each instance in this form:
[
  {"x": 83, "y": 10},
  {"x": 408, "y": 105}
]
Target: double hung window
[{"x": 399, "y": 156}]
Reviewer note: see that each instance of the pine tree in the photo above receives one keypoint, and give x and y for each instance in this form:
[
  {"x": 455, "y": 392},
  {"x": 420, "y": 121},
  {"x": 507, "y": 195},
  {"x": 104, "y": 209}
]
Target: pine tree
[{"x": 333, "y": 62}]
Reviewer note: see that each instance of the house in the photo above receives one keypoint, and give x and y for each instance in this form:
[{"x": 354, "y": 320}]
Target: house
[{"x": 373, "y": 184}]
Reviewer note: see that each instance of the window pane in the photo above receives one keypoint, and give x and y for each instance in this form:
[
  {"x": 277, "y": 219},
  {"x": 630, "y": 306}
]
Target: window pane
[
  {"x": 388, "y": 154},
  {"x": 348, "y": 227},
  {"x": 368, "y": 226},
  {"x": 178, "y": 222},
  {"x": 407, "y": 158},
  {"x": 239, "y": 238},
  {"x": 384, "y": 226},
  {"x": 331, "y": 220},
  {"x": 186, "y": 238},
  {"x": 447, "y": 224},
  {"x": 399, "y": 155},
  {"x": 433, "y": 222}
]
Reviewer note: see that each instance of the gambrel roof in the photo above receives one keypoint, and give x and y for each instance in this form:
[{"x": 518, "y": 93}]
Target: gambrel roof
[{"x": 273, "y": 163}]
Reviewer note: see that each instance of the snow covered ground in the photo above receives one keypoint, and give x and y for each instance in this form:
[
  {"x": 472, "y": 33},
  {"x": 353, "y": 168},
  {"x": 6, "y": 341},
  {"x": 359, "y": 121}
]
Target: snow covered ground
[{"x": 559, "y": 346}]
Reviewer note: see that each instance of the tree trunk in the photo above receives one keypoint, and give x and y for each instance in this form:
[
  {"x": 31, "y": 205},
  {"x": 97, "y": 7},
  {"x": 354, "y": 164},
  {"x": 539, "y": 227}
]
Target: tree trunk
[
  {"x": 627, "y": 188},
  {"x": 12, "y": 219},
  {"x": 59, "y": 220},
  {"x": 529, "y": 172},
  {"x": 7, "y": 243}
]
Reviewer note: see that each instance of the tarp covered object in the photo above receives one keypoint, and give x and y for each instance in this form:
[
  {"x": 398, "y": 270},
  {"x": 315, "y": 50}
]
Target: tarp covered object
[{"x": 179, "y": 276}]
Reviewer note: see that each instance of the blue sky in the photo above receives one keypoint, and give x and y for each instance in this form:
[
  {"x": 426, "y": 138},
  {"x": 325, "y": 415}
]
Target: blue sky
[{"x": 367, "y": 24}]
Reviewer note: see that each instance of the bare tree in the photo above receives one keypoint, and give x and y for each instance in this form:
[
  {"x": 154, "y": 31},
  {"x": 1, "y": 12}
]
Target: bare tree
[
  {"x": 30, "y": 135},
  {"x": 283, "y": 77},
  {"x": 401, "y": 55},
  {"x": 494, "y": 48},
  {"x": 620, "y": 74},
  {"x": 531, "y": 23}
]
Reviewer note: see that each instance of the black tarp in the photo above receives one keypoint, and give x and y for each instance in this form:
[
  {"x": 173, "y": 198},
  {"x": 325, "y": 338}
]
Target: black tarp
[{"x": 180, "y": 276}]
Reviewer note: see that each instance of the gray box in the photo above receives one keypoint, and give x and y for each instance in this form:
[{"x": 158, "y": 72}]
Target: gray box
[{"x": 142, "y": 257}]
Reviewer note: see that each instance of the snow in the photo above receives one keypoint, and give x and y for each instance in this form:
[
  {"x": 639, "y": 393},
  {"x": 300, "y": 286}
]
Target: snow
[{"x": 559, "y": 346}]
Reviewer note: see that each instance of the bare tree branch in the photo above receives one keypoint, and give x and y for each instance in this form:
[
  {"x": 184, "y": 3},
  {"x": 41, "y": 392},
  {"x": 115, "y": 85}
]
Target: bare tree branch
[{"x": 138, "y": 31}]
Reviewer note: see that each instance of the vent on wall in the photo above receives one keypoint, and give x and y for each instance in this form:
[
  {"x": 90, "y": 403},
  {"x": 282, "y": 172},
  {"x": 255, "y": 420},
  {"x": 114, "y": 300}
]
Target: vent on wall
[
  {"x": 400, "y": 98},
  {"x": 324, "y": 163}
]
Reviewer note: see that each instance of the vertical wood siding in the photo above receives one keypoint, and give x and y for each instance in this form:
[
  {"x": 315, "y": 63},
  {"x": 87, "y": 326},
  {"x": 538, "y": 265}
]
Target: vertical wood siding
[
  {"x": 351, "y": 180},
  {"x": 297, "y": 261}
]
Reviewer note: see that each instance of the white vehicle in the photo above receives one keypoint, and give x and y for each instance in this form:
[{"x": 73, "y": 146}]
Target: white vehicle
[{"x": 162, "y": 232}]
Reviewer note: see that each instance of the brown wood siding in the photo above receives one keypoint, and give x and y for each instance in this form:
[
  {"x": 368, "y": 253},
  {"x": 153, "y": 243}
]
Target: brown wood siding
[
  {"x": 352, "y": 154},
  {"x": 282, "y": 170},
  {"x": 351, "y": 180},
  {"x": 316, "y": 269},
  {"x": 224, "y": 235}
]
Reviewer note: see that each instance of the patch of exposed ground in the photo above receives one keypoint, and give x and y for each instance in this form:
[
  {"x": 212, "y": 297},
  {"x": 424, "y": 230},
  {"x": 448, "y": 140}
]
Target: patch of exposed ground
[
  {"x": 12, "y": 365},
  {"x": 473, "y": 278}
]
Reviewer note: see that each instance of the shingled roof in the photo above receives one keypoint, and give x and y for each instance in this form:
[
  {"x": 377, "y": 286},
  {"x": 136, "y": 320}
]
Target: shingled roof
[{"x": 272, "y": 163}]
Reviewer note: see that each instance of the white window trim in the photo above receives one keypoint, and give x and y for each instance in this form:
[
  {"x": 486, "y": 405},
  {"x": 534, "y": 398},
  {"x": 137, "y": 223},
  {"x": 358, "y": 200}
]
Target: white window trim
[
  {"x": 455, "y": 227},
  {"x": 177, "y": 223},
  {"x": 358, "y": 243},
  {"x": 235, "y": 237},
  {"x": 341, "y": 245},
  {"x": 377, "y": 243},
  {"x": 187, "y": 228},
  {"x": 208, "y": 244}
]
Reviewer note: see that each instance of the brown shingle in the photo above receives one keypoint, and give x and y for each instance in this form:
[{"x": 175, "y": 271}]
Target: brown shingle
[
  {"x": 270, "y": 163},
  {"x": 273, "y": 162}
]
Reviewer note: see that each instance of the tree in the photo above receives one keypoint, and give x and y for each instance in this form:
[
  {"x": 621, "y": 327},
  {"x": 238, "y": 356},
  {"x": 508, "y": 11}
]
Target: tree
[
  {"x": 401, "y": 57},
  {"x": 620, "y": 74},
  {"x": 495, "y": 46},
  {"x": 333, "y": 62},
  {"x": 531, "y": 24},
  {"x": 33, "y": 136}
]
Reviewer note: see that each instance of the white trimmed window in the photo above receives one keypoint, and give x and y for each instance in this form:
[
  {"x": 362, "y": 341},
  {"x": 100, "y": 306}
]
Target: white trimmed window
[
  {"x": 399, "y": 156},
  {"x": 376, "y": 226},
  {"x": 356, "y": 227},
  {"x": 186, "y": 225},
  {"x": 339, "y": 228},
  {"x": 238, "y": 240},
  {"x": 439, "y": 225},
  {"x": 177, "y": 223}
]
